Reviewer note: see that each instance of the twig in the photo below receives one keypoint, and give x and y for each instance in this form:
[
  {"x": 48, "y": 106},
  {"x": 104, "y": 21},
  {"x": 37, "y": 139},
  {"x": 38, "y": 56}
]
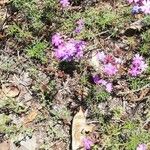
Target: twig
[
  {"x": 132, "y": 91},
  {"x": 91, "y": 122}
]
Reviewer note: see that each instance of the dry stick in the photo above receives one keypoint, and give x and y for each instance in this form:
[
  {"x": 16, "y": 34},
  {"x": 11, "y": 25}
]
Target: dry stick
[
  {"x": 91, "y": 122},
  {"x": 132, "y": 91},
  {"x": 140, "y": 99}
]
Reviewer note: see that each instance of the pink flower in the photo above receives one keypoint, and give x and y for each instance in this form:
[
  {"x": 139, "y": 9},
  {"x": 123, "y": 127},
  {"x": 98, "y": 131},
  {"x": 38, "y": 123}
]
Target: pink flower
[
  {"x": 146, "y": 6},
  {"x": 57, "y": 39},
  {"x": 138, "y": 65},
  {"x": 109, "y": 59},
  {"x": 87, "y": 143},
  {"x": 103, "y": 82},
  {"x": 101, "y": 56},
  {"x": 109, "y": 87},
  {"x": 143, "y": 66},
  {"x": 134, "y": 71},
  {"x": 64, "y": 3},
  {"x": 141, "y": 147},
  {"x": 110, "y": 69},
  {"x": 137, "y": 59}
]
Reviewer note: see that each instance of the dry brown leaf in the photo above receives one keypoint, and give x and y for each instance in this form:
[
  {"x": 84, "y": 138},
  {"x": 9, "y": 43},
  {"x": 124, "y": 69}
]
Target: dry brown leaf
[
  {"x": 2, "y": 2},
  {"x": 79, "y": 126},
  {"x": 30, "y": 117},
  {"x": 5, "y": 145},
  {"x": 134, "y": 27},
  {"x": 10, "y": 90}
]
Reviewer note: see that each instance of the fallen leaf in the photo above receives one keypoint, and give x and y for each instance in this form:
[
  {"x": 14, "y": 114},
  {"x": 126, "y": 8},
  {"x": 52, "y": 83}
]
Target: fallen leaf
[
  {"x": 134, "y": 27},
  {"x": 79, "y": 127},
  {"x": 29, "y": 144},
  {"x": 5, "y": 145},
  {"x": 2, "y": 36},
  {"x": 2, "y": 2},
  {"x": 60, "y": 145},
  {"x": 30, "y": 117},
  {"x": 10, "y": 90}
]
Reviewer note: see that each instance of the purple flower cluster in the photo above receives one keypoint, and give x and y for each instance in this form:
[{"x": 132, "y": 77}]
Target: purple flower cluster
[
  {"x": 57, "y": 39},
  {"x": 97, "y": 80},
  {"x": 64, "y": 3},
  {"x": 110, "y": 66},
  {"x": 140, "y": 6},
  {"x": 138, "y": 65},
  {"x": 87, "y": 143},
  {"x": 80, "y": 25},
  {"x": 110, "y": 63},
  {"x": 67, "y": 50},
  {"x": 141, "y": 147}
]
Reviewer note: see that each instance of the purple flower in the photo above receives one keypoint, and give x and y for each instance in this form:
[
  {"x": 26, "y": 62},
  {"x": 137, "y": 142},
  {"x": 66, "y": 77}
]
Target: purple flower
[
  {"x": 141, "y": 147},
  {"x": 133, "y": 1},
  {"x": 108, "y": 86},
  {"x": 136, "y": 9},
  {"x": 57, "y": 39},
  {"x": 96, "y": 79},
  {"x": 60, "y": 52},
  {"x": 146, "y": 6},
  {"x": 140, "y": 6},
  {"x": 64, "y": 3},
  {"x": 87, "y": 143},
  {"x": 110, "y": 69},
  {"x": 65, "y": 51},
  {"x": 80, "y": 46},
  {"x": 80, "y": 26},
  {"x": 69, "y": 50},
  {"x": 138, "y": 65}
]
